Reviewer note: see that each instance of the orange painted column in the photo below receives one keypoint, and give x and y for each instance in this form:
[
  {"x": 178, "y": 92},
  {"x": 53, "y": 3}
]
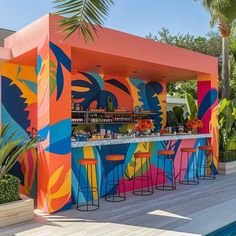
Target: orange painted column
[
  {"x": 208, "y": 110},
  {"x": 54, "y": 126}
]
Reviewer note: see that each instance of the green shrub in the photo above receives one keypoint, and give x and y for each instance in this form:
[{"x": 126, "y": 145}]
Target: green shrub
[
  {"x": 9, "y": 189},
  {"x": 227, "y": 156}
]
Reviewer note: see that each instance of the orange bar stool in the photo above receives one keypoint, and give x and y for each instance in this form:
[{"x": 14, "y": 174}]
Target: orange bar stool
[
  {"x": 169, "y": 174},
  {"x": 117, "y": 162},
  {"x": 87, "y": 189},
  {"x": 206, "y": 163},
  {"x": 145, "y": 162},
  {"x": 191, "y": 172}
]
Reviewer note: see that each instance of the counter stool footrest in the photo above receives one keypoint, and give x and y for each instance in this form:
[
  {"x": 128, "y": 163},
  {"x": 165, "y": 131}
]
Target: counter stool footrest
[
  {"x": 143, "y": 192},
  {"x": 115, "y": 198},
  {"x": 88, "y": 207},
  {"x": 166, "y": 187}
]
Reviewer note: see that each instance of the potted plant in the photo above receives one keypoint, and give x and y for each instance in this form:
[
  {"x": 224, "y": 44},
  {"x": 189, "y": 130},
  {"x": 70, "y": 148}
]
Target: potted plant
[
  {"x": 193, "y": 123},
  {"x": 12, "y": 204},
  {"x": 227, "y": 137}
]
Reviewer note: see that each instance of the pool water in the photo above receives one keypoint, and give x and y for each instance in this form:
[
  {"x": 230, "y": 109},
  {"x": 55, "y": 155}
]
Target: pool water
[{"x": 228, "y": 230}]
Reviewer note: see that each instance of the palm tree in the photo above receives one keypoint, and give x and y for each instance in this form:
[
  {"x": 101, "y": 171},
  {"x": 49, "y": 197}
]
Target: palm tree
[
  {"x": 223, "y": 12},
  {"x": 84, "y": 15}
]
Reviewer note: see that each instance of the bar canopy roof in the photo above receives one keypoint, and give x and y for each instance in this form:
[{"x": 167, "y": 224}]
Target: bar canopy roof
[{"x": 114, "y": 52}]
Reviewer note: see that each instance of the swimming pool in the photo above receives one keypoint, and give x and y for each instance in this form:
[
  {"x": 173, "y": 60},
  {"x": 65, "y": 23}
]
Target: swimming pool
[{"x": 228, "y": 230}]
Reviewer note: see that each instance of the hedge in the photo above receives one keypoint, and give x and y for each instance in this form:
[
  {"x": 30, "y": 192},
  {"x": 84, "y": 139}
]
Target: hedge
[{"x": 9, "y": 189}]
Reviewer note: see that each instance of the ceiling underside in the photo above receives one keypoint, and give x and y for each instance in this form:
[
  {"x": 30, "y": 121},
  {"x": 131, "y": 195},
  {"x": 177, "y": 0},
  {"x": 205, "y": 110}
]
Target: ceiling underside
[{"x": 86, "y": 60}]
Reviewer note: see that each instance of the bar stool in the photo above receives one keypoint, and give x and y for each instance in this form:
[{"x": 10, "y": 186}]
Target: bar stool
[
  {"x": 188, "y": 171},
  {"x": 167, "y": 155},
  {"x": 143, "y": 191},
  {"x": 88, "y": 190},
  {"x": 207, "y": 152},
  {"x": 116, "y": 161}
]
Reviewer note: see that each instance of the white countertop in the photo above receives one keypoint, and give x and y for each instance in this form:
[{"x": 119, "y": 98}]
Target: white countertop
[{"x": 150, "y": 138}]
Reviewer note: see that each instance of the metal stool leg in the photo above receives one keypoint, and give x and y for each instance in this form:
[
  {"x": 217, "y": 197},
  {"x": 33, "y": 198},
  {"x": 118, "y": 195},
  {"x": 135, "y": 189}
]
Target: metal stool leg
[
  {"x": 143, "y": 191},
  {"x": 117, "y": 196},
  {"x": 135, "y": 163},
  {"x": 157, "y": 175},
  {"x": 180, "y": 169},
  {"x": 208, "y": 161},
  {"x": 173, "y": 174},
  {"x": 89, "y": 191},
  {"x": 152, "y": 190},
  {"x": 169, "y": 174}
]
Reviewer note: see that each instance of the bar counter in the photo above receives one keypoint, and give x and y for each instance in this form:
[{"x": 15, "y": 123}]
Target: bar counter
[
  {"x": 149, "y": 138},
  {"x": 99, "y": 149}
]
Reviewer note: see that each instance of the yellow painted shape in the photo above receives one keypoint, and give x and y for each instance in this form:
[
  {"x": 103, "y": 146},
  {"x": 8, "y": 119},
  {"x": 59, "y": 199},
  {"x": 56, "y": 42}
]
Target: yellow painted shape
[
  {"x": 79, "y": 89},
  {"x": 134, "y": 94},
  {"x": 27, "y": 73},
  {"x": 142, "y": 147},
  {"x": 63, "y": 190}
]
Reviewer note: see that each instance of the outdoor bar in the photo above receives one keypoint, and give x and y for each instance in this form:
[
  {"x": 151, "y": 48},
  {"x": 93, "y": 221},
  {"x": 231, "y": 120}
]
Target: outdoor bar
[{"x": 100, "y": 110}]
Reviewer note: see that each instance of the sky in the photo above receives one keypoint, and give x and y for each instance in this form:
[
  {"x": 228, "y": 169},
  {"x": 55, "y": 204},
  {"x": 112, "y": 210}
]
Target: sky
[{"x": 138, "y": 17}]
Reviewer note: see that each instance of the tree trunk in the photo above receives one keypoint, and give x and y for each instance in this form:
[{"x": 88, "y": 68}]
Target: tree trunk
[{"x": 225, "y": 68}]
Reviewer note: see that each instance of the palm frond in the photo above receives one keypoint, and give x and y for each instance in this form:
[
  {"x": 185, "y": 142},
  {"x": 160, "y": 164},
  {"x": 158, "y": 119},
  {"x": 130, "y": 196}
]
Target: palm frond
[
  {"x": 11, "y": 148},
  {"x": 224, "y": 10},
  {"x": 82, "y": 15}
]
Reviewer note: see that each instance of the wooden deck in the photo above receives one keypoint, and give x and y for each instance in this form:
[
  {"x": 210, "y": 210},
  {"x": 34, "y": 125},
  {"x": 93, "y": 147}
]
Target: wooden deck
[{"x": 190, "y": 210}]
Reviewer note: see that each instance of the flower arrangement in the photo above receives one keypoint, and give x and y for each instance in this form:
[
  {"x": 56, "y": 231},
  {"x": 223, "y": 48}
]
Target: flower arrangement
[
  {"x": 144, "y": 125},
  {"x": 193, "y": 124}
]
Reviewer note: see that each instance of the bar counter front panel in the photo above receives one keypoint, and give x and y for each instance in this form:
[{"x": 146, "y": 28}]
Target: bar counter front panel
[{"x": 128, "y": 146}]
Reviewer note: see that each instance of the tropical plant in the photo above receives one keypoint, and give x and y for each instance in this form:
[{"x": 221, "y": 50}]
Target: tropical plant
[
  {"x": 223, "y": 12},
  {"x": 191, "y": 105},
  {"x": 227, "y": 125},
  {"x": 179, "y": 115},
  {"x": 171, "y": 119},
  {"x": 82, "y": 15},
  {"x": 210, "y": 44},
  {"x": 11, "y": 149}
]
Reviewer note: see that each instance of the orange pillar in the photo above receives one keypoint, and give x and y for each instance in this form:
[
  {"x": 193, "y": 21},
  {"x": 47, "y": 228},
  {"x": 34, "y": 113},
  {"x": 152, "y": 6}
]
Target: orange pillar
[{"x": 54, "y": 126}]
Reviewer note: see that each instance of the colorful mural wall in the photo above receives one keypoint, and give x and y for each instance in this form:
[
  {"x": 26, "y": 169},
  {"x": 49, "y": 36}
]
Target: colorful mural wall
[
  {"x": 19, "y": 108},
  {"x": 128, "y": 151},
  {"x": 54, "y": 125},
  {"x": 92, "y": 91}
]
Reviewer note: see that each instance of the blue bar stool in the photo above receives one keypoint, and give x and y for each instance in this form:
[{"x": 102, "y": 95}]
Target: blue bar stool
[
  {"x": 117, "y": 163},
  {"x": 167, "y": 155},
  {"x": 148, "y": 190},
  {"x": 88, "y": 189}
]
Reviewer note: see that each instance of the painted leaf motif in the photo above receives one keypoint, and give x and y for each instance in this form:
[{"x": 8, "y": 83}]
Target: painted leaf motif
[
  {"x": 63, "y": 190},
  {"x": 93, "y": 91},
  {"x": 62, "y": 60},
  {"x": 52, "y": 77},
  {"x": 209, "y": 99}
]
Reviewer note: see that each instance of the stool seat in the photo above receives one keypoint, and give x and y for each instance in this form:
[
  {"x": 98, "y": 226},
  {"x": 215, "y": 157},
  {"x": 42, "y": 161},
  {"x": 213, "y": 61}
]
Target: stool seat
[
  {"x": 142, "y": 155},
  {"x": 206, "y": 148},
  {"x": 88, "y": 161},
  {"x": 192, "y": 150},
  {"x": 166, "y": 152},
  {"x": 115, "y": 157}
]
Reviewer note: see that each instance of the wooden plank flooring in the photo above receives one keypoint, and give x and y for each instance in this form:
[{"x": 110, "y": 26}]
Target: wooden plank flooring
[{"x": 190, "y": 210}]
